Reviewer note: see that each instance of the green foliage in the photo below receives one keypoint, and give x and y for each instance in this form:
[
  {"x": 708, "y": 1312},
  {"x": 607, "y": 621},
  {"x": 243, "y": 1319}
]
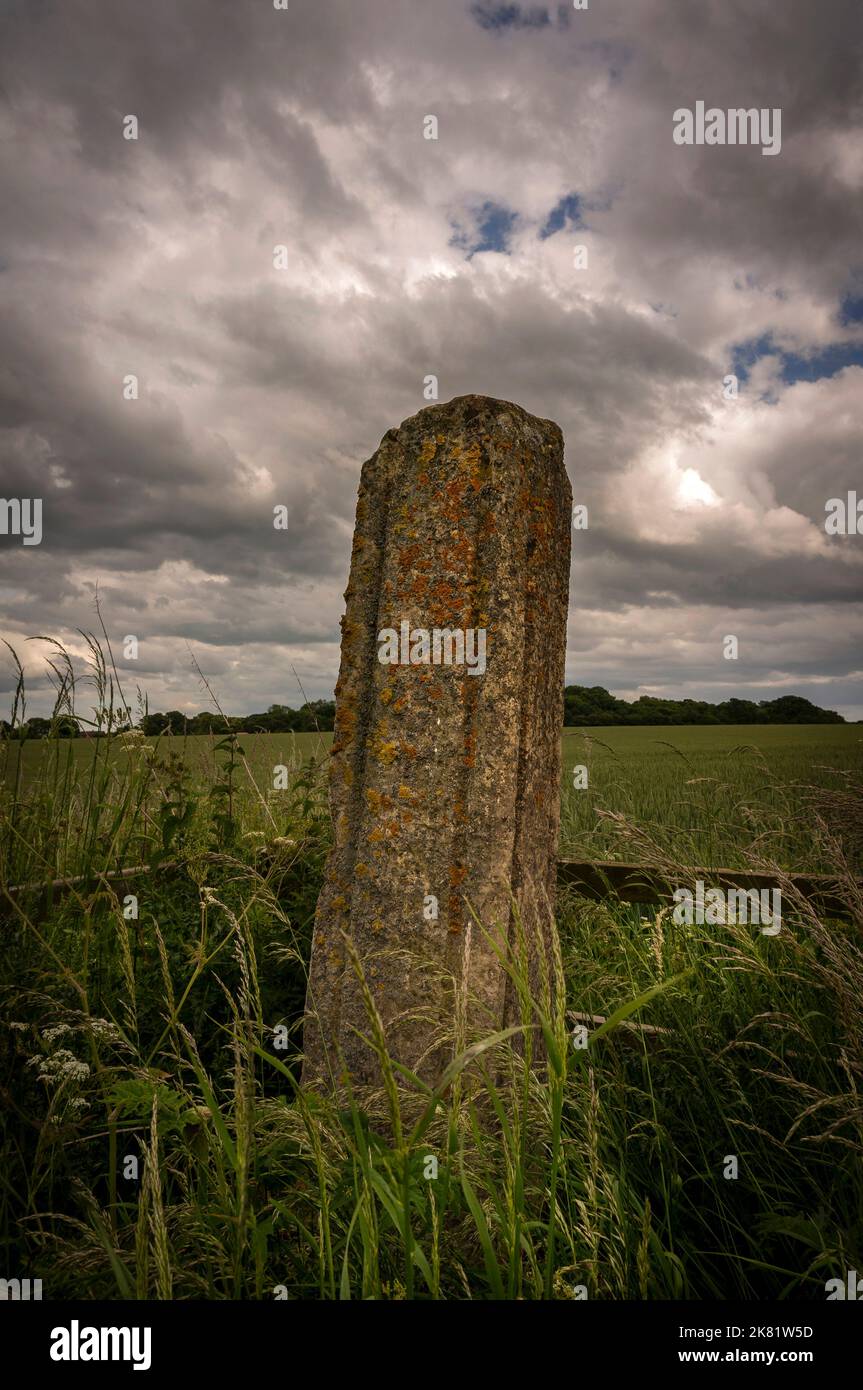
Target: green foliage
[
  {"x": 313, "y": 715},
  {"x": 592, "y": 705},
  {"x": 153, "y": 1036}
]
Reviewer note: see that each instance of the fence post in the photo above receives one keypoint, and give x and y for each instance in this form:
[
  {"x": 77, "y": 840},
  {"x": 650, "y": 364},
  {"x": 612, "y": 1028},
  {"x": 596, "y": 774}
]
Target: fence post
[{"x": 445, "y": 770}]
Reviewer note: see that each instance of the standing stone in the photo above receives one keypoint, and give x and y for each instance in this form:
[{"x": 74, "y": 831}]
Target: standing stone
[{"x": 445, "y": 778}]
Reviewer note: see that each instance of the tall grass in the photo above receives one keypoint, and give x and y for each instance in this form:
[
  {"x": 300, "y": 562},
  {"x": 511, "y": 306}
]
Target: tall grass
[
  {"x": 721, "y": 796},
  {"x": 157, "y": 1144}
]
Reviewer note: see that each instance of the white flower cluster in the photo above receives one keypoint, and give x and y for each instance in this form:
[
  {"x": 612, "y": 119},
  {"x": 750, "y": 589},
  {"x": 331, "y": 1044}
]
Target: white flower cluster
[
  {"x": 60, "y": 1067},
  {"x": 130, "y": 742},
  {"x": 57, "y": 1030},
  {"x": 103, "y": 1030}
]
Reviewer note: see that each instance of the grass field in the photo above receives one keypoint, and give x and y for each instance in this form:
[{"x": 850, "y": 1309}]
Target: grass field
[
  {"x": 709, "y": 795},
  {"x": 706, "y": 795},
  {"x": 155, "y": 1140}
]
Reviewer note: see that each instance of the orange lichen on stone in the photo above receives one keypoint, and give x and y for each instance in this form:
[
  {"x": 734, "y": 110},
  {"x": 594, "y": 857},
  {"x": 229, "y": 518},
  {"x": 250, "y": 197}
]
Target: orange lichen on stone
[
  {"x": 457, "y": 875},
  {"x": 469, "y": 748},
  {"x": 464, "y": 522},
  {"x": 419, "y": 587},
  {"x": 409, "y": 555},
  {"x": 454, "y": 914},
  {"x": 454, "y": 492}
]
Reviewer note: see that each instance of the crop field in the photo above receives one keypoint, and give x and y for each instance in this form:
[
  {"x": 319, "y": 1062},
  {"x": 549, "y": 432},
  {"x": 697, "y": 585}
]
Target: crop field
[{"x": 710, "y": 795}]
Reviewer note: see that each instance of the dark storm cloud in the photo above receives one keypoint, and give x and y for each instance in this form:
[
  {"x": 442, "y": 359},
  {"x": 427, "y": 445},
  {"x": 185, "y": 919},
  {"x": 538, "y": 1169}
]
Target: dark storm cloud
[{"x": 260, "y": 386}]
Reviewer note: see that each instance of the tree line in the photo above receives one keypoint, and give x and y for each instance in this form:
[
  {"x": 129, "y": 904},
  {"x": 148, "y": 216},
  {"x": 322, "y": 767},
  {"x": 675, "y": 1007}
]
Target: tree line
[
  {"x": 313, "y": 715},
  {"x": 582, "y": 705}
]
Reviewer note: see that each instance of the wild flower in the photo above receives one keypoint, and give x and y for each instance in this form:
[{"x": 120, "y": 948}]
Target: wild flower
[
  {"x": 103, "y": 1030},
  {"x": 60, "y": 1067},
  {"x": 57, "y": 1030}
]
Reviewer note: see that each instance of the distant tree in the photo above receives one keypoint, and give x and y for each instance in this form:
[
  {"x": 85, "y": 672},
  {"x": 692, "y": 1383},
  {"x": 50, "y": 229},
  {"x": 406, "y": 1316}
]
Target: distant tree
[
  {"x": 205, "y": 723},
  {"x": 315, "y": 714},
  {"x": 736, "y": 711},
  {"x": 152, "y": 725},
  {"x": 794, "y": 709},
  {"x": 593, "y": 705},
  {"x": 38, "y": 728}
]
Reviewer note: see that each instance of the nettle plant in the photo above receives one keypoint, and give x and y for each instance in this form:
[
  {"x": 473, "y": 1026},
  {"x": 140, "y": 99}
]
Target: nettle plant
[
  {"x": 176, "y": 812},
  {"x": 222, "y": 795}
]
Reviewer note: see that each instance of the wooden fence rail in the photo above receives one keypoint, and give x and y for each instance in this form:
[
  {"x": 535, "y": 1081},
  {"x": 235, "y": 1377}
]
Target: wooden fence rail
[
  {"x": 638, "y": 883},
  {"x": 597, "y": 879}
]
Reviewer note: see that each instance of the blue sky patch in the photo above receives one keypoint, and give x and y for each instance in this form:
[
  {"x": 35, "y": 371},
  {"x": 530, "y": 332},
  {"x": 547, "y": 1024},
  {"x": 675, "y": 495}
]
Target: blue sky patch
[
  {"x": 494, "y": 226},
  {"x": 498, "y": 17},
  {"x": 567, "y": 210},
  {"x": 745, "y": 355},
  {"x": 851, "y": 309},
  {"x": 813, "y": 366},
  {"x": 826, "y": 361}
]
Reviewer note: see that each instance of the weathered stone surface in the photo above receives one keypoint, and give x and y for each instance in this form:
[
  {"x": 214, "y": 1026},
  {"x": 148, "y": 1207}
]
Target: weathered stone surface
[{"x": 444, "y": 784}]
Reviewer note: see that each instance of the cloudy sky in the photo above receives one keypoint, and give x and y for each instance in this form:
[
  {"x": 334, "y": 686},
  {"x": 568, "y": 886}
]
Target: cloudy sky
[{"x": 405, "y": 257}]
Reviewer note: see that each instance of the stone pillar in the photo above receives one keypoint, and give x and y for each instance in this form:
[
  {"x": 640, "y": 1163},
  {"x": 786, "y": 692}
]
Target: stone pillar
[{"x": 445, "y": 773}]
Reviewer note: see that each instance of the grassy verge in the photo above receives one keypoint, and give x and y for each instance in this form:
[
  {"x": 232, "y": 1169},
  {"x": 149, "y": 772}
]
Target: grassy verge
[{"x": 156, "y": 1143}]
